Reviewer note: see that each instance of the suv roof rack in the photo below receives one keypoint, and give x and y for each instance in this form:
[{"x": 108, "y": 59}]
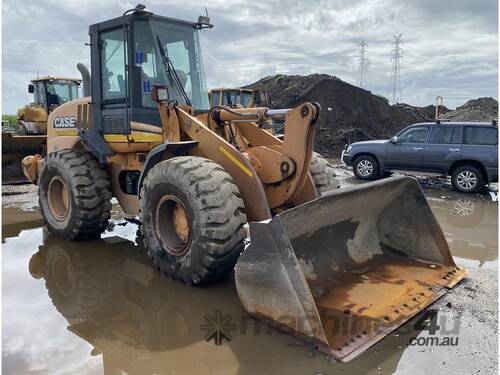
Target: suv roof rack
[{"x": 494, "y": 122}]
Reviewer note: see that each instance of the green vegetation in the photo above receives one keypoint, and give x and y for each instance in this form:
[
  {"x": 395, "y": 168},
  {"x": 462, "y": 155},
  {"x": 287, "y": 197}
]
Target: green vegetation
[
  {"x": 12, "y": 119},
  {"x": 278, "y": 78}
]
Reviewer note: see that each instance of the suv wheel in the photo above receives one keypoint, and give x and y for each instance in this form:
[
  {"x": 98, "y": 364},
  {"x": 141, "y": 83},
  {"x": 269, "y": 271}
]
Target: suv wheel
[
  {"x": 467, "y": 179},
  {"x": 366, "y": 167}
]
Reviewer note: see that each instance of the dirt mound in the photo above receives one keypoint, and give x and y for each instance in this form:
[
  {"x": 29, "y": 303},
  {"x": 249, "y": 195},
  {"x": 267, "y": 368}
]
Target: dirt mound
[
  {"x": 481, "y": 109},
  {"x": 349, "y": 113}
]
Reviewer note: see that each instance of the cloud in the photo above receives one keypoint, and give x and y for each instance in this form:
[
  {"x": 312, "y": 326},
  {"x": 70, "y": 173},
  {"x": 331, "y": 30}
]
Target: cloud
[{"x": 450, "y": 47}]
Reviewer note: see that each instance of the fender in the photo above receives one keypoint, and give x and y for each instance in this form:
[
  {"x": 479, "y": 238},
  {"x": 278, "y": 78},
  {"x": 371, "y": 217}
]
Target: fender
[{"x": 157, "y": 153}]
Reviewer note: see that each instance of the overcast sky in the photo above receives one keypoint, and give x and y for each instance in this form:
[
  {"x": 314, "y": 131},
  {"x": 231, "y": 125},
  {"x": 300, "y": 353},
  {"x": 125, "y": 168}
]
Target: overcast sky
[{"x": 450, "y": 46}]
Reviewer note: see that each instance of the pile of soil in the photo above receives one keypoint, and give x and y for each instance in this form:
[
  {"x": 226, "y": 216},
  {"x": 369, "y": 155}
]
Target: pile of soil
[
  {"x": 349, "y": 113},
  {"x": 481, "y": 109}
]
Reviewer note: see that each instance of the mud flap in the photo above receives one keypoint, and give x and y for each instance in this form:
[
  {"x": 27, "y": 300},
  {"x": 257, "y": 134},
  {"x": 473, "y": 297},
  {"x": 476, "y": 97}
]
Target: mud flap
[{"x": 348, "y": 268}]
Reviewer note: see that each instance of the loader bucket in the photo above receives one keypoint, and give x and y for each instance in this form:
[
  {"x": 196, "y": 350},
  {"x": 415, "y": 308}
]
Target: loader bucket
[
  {"x": 14, "y": 149},
  {"x": 346, "y": 269}
]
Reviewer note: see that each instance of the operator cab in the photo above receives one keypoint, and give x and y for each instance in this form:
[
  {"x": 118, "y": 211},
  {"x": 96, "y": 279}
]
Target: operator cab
[
  {"x": 51, "y": 92},
  {"x": 133, "y": 53}
]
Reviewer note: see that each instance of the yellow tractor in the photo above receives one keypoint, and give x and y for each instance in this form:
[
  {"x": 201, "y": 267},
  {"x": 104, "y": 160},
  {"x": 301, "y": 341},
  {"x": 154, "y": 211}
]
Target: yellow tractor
[
  {"x": 30, "y": 136},
  {"x": 340, "y": 268}
]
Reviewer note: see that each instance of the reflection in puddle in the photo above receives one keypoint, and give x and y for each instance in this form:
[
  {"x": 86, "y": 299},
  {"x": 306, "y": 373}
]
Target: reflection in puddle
[
  {"x": 104, "y": 302},
  {"x": 98, "y": 307},
  {"x": 470, "y": 225}
]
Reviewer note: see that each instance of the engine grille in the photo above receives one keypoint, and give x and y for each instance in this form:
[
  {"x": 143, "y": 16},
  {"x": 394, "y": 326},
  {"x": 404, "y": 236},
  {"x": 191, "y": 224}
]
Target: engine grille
[{"x": 114, "y": 124}]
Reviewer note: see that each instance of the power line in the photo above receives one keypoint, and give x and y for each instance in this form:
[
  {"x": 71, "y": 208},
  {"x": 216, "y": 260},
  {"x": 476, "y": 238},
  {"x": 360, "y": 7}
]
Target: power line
[
  {"x": 397, "y": 55},
  {"x": 361, "y": 80}
]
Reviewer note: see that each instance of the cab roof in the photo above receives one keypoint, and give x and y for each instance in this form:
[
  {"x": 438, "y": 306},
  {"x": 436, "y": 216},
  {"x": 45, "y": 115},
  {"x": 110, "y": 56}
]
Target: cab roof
[
  {"x": 56, "y": 78},
  {"x": 230, "y": 89}
]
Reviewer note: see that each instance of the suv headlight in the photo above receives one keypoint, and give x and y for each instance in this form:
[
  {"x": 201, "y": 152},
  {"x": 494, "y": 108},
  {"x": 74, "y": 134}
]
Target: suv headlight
[{"x": 349, "y": 148}]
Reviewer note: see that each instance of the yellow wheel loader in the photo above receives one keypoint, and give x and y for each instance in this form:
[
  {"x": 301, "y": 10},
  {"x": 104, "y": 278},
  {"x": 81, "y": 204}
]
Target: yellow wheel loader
[
  {"x": 237, "y": 97},
  {"x": 340, "y": 268},
  {"x": 30, "y": 137}
]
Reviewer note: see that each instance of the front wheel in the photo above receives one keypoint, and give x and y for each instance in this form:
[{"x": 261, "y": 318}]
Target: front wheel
[
  {"x": 192, "y": 219},
  {"x": 467, "y": 179},
  {"x": 74, "y": 194},
  {"x": 366, "y": 167}
]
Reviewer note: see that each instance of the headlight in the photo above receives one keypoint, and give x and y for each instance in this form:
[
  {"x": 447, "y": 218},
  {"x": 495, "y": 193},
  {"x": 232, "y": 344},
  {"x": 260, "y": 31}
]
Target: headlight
[{"x": 349, "y": 148}]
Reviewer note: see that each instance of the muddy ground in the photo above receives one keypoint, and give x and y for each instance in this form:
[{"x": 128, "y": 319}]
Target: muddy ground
[{"x": 99, "y": 307}]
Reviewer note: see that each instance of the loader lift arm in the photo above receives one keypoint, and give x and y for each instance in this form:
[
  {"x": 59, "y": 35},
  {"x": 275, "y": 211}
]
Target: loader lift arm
[{"x": 271, "y": 174}]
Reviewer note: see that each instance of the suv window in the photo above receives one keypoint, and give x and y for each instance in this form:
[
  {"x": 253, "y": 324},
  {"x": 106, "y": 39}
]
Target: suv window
[
  {"x": 444, "y": 135},
  {"x": 475, "y": 135},
  {"x": 414, "y": 135}
]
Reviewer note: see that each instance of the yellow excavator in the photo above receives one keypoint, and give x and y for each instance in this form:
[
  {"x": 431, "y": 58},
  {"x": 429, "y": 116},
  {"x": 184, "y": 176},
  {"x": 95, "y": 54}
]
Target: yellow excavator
[
  {"x": 340, "y": 268},
  {"x": 49, "y": 92}
]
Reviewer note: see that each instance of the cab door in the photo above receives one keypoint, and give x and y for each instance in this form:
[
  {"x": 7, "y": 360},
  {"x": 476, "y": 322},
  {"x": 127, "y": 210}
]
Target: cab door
[
  {"x": 109, "y": 94},
  {"x": 408, "y": 151}
]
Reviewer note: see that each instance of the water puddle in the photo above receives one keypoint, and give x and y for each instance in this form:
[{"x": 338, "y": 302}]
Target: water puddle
[{"x": 96, "y": 307}]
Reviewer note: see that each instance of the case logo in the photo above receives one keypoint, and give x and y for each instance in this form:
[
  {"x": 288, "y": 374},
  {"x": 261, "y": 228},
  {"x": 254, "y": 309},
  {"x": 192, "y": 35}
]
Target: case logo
[{"x": 65, "y": 122}]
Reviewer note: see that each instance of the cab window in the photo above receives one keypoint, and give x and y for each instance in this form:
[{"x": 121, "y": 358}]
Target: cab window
[
  {"x": 215, "y": 98},
  {"x": 113, "y": 64},
  {"x": 414, "y": 135}
]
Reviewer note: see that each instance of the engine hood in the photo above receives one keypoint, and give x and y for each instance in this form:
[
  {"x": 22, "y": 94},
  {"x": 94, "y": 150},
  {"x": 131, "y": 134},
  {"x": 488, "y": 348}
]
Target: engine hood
[{"x": 372, "y": 142}]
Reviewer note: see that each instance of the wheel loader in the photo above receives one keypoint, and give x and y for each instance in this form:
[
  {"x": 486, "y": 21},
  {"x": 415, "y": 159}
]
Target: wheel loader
[
  {"x": 339, "y": 268},
  {"x": 237, "y": 97},
  {"x": 49, "y": 92}
]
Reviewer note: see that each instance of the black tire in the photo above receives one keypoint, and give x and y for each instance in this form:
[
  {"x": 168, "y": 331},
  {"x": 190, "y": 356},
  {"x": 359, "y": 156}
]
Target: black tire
[
  {"x": 370, "y": 163},
  {"x": 214, "y": 214},
  {"x": 87, "y": 210},
  {"x": 323, "y": 174},
  {"x": 467, "y": 179}
]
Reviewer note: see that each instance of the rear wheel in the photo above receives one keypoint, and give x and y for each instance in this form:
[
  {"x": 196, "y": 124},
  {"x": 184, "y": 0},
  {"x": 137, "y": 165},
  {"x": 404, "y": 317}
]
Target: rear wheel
[
  {"x": 366, "y": 167},
  {"x": 323, "y": 174},
  {"x": 192, "y": 219},
  {"x": 74, "y": 194},
  {"x": 467, "y": 179}
]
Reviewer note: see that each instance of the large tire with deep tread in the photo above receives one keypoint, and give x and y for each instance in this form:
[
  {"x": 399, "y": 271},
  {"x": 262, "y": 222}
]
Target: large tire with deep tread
[
  {"x": 323, "y": 174},
  {"x": 216, "y": 215},
  {"x": 89, "y": 191}
]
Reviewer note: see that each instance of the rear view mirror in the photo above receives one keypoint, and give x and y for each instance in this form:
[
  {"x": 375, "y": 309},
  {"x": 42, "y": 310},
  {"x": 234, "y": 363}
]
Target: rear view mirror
[
  {"x": 31, "y": 88},
  {"x": 394, "y": 139}
]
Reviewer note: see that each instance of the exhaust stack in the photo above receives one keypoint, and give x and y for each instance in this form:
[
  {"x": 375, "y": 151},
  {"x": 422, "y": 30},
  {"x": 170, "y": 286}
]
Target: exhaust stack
[{"x": 85, "y": 79}]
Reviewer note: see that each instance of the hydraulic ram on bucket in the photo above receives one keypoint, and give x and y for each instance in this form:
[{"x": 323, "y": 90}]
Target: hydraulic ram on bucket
[{"x": 346, "y": 269}]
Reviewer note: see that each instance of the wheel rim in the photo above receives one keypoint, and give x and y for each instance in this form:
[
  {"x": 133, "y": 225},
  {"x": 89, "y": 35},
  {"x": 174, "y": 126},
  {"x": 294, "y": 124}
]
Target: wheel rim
[
  {"x": 466, "y": 180},
  {"x": 59, "y": 198},
  {"x": 63, "y": 275},
  {"x": 464, "y": 207},
  {"x": 364, "y": 168},
  {"x": 173, "y": 225}
]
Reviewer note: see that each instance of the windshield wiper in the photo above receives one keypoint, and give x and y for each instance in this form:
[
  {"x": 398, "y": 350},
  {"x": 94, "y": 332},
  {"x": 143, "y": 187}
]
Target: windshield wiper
[{"x": 174, "y": 78}]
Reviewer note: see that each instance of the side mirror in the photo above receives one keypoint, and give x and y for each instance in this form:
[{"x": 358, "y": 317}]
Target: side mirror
[
  {"x": 31, "y": 88},
  {"x": 394, "y": 139}
]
